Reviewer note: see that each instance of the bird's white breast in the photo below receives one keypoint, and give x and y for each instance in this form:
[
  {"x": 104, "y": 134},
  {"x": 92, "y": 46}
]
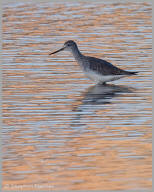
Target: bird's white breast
[{"x": 98, "y": 78}]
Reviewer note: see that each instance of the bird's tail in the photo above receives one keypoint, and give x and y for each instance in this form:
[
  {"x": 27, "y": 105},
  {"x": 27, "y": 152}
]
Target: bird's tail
[{"x": 132, "y": 72}]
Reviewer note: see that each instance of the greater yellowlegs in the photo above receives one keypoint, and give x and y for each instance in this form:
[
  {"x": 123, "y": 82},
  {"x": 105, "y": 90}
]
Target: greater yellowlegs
[{"x": 96, "y": 69}]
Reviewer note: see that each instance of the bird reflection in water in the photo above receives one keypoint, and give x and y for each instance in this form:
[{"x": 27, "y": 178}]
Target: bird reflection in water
[
  {"x": 103, "y": 94},
  {"x": 96, "y": 95}
]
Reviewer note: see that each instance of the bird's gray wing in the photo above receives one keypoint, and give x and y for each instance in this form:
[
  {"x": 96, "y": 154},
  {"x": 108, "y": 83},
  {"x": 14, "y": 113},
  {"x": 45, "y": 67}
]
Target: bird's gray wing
[{"x": 104, "y": 68}]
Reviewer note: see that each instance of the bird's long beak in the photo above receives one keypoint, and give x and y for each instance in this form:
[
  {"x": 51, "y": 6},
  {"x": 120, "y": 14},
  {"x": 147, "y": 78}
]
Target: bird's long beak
[{"x": 57, "y": 51}]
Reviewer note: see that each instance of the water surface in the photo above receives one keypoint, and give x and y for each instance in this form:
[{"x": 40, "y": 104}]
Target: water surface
[{"x": 60, "y": 130}]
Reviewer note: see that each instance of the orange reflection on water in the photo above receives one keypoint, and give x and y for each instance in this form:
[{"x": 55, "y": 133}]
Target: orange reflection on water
[{"x": 61, "y": 132}]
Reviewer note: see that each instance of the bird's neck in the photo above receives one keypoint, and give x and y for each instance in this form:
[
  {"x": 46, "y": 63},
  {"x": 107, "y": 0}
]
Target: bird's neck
[{"x": 77, "y": 54}]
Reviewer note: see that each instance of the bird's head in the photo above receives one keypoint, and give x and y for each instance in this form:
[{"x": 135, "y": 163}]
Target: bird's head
[{"x": 68, "y": 46}]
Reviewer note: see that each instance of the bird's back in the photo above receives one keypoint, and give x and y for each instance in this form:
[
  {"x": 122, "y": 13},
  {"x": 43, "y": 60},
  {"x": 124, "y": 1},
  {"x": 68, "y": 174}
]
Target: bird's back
[{"x": 103, "y": 67}]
